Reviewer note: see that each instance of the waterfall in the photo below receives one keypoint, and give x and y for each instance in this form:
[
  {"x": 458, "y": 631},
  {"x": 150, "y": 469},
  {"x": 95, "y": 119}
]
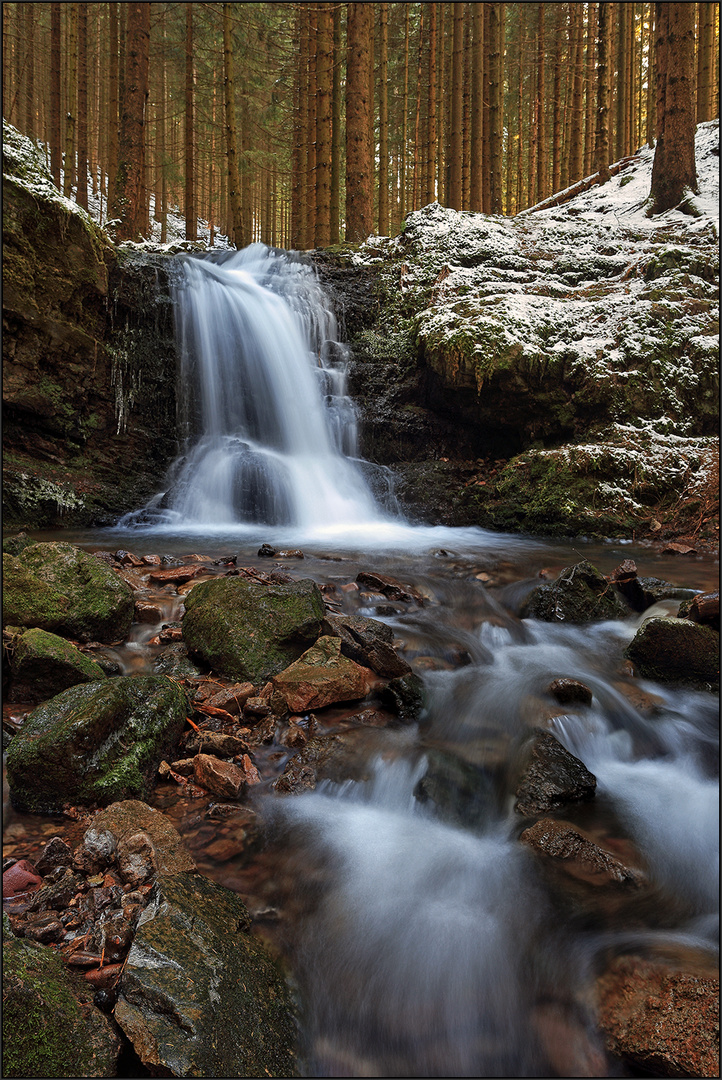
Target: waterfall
[{"x": 269, "y": 434}]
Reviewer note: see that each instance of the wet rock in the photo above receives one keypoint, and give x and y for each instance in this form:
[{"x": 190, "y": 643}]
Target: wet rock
[
  {"x": 571, "y": 1046},
  {"x": 265, "y": 551},
  {"x": 100, "y": 845},
  {"x": 231, "y": 698},
  {"x": 322, "y": 676},
  {"x": 404, "y": 696},
  {"x": 249, "y": 631},
  {"x": 641, "y": 592},
  {"x": 580, "y": 594},
  {"x": 21, "y": 877},
  {"x": 212, "y": 1002},
  {"x": 147, "y": 612},
  {"x": 95, "y": 743},
  {"x": 390, "y": 587},
  {"x": 43, "y": 664},
  {"x": 50, "y": 1026},
  {"x": 703, "y": 608},
  {"x": 256, "y": 708},
  {"x": 57, "y": 895},
  {"x": 327, "y": 757},
  {"x": 175, "y": 662},
  {"x": 578, "y": 855},
  {"x": 55, "y": 853},
  {"x": 570, "y": 691},
  {"x": 136, "y": 859},
  {"x": 212, "y": 742},
  {"x": 129, "y": 817},
  {"x": 175, "y": 575},
  {"x": 663, "y": 1021},
  {"x": 368, "y": 642},
  {"x": 13, "y": 545},
  {"x": 461, "y": 790},
  {"x": 58, "y": 587},
  {"x": 676, "y": 650},
  {"x": 219, "y": 777},
  {"x": 552, "y": 778}
]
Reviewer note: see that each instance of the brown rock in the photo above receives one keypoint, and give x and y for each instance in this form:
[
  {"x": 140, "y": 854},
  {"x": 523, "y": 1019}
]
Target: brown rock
[
  {"x": 390, "y": 587},
  {"x": 231, "y": 698},
  {"x": 704, "y": 609},
  {"x": 124, "y": 819},
  {"x": 256, "y": 706},
  {"x": 175, "y": 575},
  {"x": 220, "y": 777},
  {"x": 146, "y": 612},
  {"x": 679, "y": 549},
  {"x": 212, "y": 742},
  {"x": 626, "y": 571},
  {"x": 250, "y": 771},
  {"x": 151, "y": 560},
  {"x": 136, "y": 859},
  {"x": 664, "y": 1021},
  {"x": 552, "y": 778},
  {"x": 21, "y": 877},
  {"x": 55, "y": 853},
  {"x": 578, "y": 855},
  {"x": 567, "y": 691},
  {"x": 105, "y": 977},
  {"x": 322, "y": 676},
  {"x": 567, "y": 1042},
  {"x": 368, "y": 642}
]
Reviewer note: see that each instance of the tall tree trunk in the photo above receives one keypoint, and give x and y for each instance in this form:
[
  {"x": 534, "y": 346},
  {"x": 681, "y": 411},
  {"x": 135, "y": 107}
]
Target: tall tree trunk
[
  {"x": 541, "y": 161},
  {"x": 488, "y": 48},
  {"x": 300, "y": 180},
  {"x": 430, "y": 140},
  {"x": 466, "y": 113},
  {"x": 335, "y": 129},
  {"x": 557, "y": 105},
  {"x": 29, "y": 33},
  {"x": 416, "y": 200},
  {"x": 621, "y": 85},
  {"x": 576, "y": 149},
  {"x": 55, "y": 144},
  {"x": 590, "y": 95},
  {"x": 496, "y": 135},
  {"x": 604, "y": 78},
  {"x": 161, "y": 147},
  {"x": 72, "y": 108},
  {"x": 477, "y": 109},
  {"x": 358, "y": 147},
  {"x": 674, "y": 171},
  {"x": 383, "y": 121},
  {"x": 311, "y": 159},
  {"x": 131, "y": 164},
  {"x": 191, "y": 213},
  {"x": 82, "y": 190},
  {"x": 403, "y": 180},
  {"x": 456, "y": 149},
  {"x": 245, "y": 176},
  {"x": 520, "y": 143},
  {"x": 706, "y": 66},
  {"x": 324, "y": 82}
]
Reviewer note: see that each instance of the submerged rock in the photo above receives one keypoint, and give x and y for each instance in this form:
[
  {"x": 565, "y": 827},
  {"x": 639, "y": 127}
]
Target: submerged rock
[
  {"x": 58, "y": 587},
  {"x": 248, "y": 631},
  {"x": 665, "y": 1022},
  {"x": 199, "y": 996},
  {"x": 580, "y": 594},
  {"x": 95, "y": 743},
  {"x": 43, "y": 664},
  {"x": 552, "y": 778},
  {"x": 50, "y": 1025},
  {"x": 676, "y": 650}
]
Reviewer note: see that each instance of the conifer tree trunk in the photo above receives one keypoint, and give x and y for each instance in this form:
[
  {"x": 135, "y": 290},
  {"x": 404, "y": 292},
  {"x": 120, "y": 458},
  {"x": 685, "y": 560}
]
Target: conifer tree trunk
[
  {"x": 311, "y": 109},
  {"x": 191, "y": 214},
  {"x": 557, "y": 104},
  {"x": 55, "y": 144},
  {"x": 245, "y": 174},
  {"x": 576, "y": 149},
  {"x": 590, "y": 95},
  {"x": 520, "y": 144},
  {"x": 706, "y": 66},
  {"x": 131, "y": 150},
  {"x": 604, "y": 60},
  {"x": 72, "y": 108},
  {"x": 674, "y": 171},
  {"x": 336, "y": 129},
  {"x": 302, "y": 239},
  {"x": 621, "y": 86},
  {"x": 466, "y": 113},
  {"x": 496, "y": 31},
  {"x": 651, "y": 87},
  {"x": 383, "y": 121},
  {"x": 82, "y": 189},
  {"x": 477, "y": 109},
  {"x": 456, "y": 149},
  {"x": 358, "y": 146},
  {"x": 324, "y": 77},
  {"x": 541, "y": 161},
  {"x": 403, "y": 179},
  {"x": 430, "y": 140},
  {"x": 29, "y": 34},
  {"x": 486, "y": 176}
]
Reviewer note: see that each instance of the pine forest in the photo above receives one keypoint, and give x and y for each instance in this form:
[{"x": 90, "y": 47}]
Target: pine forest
[{"x": 303, "y": 125}]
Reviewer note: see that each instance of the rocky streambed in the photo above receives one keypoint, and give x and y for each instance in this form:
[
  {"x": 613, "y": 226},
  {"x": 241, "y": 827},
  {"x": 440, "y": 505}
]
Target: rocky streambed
[{"x": 247, "y": 791}]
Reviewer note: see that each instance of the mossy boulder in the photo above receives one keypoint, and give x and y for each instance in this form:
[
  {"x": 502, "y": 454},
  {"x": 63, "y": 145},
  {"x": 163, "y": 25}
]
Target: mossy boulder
[
  {"x": 50, "y": 1025},
  {"x": 676, "y": 650},
  {"x": 579, "y": 595},
  {"x": 212, "y": 1001},
  {"x": 250, "y": 632},
  {"x": 95, "y": 743},
  {"x": 44, "y": 664},
  {"x": 58, "y": 587}
]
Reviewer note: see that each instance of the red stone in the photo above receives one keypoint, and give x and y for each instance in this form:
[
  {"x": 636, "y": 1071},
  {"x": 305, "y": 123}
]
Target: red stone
[{"x": 21, "y": 877}]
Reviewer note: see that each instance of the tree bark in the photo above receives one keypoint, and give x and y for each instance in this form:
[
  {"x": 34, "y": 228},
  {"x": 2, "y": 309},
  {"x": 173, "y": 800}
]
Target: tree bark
[
  {"x": 557, "y": 106},
  {"x": 55, "y": 144},
  {"x": 541, "y": 161},
  {"x": 576, "y": 154},
  {"x": 191, "y": 214},
  {"x": 604, "y": 42},
  {"x": 673, "y": 171},
  {"x": 336, "y": 129},
  {"x": 72, "y": 109},
  {"x": 131, "y": 151},
  {"x": 82, "y": 188},
  {"x": 456, "y": 149},
  {"x": 358, "y": 147},
  {"x": 384, "y": 121},
  {"x": 496, "y": 135},
  {"x": 477, "y": 109},
  {"x": 324, "y": 83}
]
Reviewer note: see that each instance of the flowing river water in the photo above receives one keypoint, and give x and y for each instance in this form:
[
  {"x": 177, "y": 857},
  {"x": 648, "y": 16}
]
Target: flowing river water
[{"x": 423, "y": 937}]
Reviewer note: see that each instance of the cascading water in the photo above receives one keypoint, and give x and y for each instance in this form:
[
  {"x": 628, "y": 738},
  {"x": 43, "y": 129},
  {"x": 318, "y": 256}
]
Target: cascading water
[{"x": 269, "y": 432}]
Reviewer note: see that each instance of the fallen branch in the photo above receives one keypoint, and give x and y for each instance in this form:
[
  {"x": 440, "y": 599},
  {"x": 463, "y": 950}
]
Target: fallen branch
[{"x": 561, "y": 197}]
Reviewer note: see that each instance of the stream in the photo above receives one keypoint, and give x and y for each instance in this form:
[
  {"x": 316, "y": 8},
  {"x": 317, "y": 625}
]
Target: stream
[{"x": 423, "y": 937}]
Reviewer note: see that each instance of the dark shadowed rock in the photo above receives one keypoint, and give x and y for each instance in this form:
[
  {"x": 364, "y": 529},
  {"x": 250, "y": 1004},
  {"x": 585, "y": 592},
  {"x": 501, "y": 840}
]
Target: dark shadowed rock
[
  {"x": 390, "y": 587},
  {"x": 578, "y": 855},
  {"x": 199, "y": 996},
  {"x": 404, "y": 696},
  {"x": 248, "y": 631},
  {"x": 703, "y": 608},
  {"x": 580, "y": 594},
  {"x": 95, "y": 743},
  {"x": 552, "y": 778},
  {"x": 663, "y": 1021},
  {"x": 570, "y": 691},
  {"x": 368, "y": 642},
  {"x": 675, "y": 650},
  {"x": 43, "y": 664},
  {"x": 329, "y": 757},
  {"x": 50, "y": 1025}
]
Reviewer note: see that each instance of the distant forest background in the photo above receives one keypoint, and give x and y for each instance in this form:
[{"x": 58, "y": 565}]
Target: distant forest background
[{"x": 301, "y": 125}]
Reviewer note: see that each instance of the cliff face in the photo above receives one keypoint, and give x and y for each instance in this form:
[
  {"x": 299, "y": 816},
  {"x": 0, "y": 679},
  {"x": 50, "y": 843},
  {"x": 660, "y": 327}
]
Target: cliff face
[{"x": 88, "y": 358}]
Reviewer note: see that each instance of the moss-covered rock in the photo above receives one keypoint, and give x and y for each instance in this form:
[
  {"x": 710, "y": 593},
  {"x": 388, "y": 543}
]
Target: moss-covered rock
[
  {"x": 247, "y": 631},
  {"x": 43, "y": 664},
  {"x": 50, "y": 1026},
  {"x": 95, "y": 743},
  {"x": 580, "y": 594},
  {"x": 676, "y": 650},
  {"x": 211, "y": 1001},
  {"x": 60, "y": 588}
]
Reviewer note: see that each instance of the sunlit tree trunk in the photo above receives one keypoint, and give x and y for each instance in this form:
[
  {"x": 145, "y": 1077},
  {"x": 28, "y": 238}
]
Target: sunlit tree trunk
[
  {"x": 541, "y": 161},
  {"x": 590, "y": 96},
  {"x": 131, "y": 163},
  {"x": 496, "y": 135},
  {"x": 456, "y": 149},
  {"x": 674, "y": 171},
  {"x": 604, "y": 60},
  {"x": 383, "y": 120},
  {"x": 576, "y": 147},
  {"x": 557, "y": 103},
  {"x": 477, "y": 108},
  {"x": 55, "y": 143},
  {"x": 191, "y": 213}
]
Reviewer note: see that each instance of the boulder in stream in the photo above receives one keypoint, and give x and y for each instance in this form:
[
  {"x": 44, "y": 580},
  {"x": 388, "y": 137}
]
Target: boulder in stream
[
  {"x": 244, "y": 630},
  {"x": 58, "y": 587},
  {"x": 50, "y": 1025},
  {"x": 44, "y": 664},
  {"x": 368, "y": 642},
  {"x": 95, "y": 743},
  {"x": 676, "y": 650},
  {"x": 579, "y": 595},
  {"x": 322, "y": 676},
  {"x": 552, "y": 778}
]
